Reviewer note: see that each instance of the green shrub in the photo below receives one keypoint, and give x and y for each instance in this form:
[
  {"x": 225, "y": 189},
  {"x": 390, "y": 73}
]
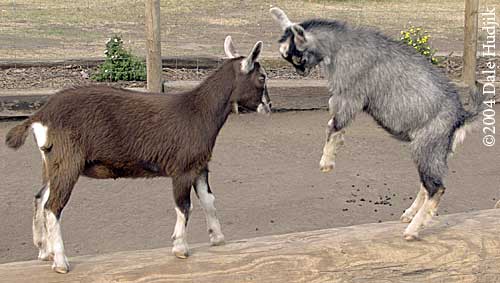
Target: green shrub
[
  {"x": 120, "y": 64},
  {"x": 418, "y": 38}
]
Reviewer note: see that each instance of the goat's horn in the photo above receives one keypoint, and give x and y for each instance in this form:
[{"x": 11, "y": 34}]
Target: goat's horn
[
  {"x": 280, "y": 17},
  {"x": 229, "y": 48}
]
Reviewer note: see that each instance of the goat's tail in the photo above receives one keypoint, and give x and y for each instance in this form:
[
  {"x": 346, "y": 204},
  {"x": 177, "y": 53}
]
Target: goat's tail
[
  {"x": 476, "y": 106},
  {"x": 476, "y": 102},
  {"x": 17, "y": 136}
]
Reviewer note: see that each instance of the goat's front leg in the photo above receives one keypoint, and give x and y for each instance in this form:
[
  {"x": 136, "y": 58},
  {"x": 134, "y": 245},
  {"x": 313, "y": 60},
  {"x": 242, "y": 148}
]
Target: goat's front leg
[
  {"x": 207, "y": 199},
  {"x": 182, "y": 191},
  {"x": 334, "y": 139},
  {"x": 342, "y": 110},
  {"x": 498, "y": 204}
]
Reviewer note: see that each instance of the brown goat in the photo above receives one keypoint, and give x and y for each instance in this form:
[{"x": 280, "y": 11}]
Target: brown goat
[{"x": 104, "y": 132}]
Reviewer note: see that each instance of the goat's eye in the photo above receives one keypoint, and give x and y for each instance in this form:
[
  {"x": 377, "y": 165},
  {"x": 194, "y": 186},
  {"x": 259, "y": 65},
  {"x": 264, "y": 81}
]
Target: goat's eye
[{"x": 262, "y": 78}]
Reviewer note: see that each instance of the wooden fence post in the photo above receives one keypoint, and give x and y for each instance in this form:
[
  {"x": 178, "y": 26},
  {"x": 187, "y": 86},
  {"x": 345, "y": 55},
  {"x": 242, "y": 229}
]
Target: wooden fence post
[
  {"x": 153, "y": 46},
  {"x": 470, "y": 42}
]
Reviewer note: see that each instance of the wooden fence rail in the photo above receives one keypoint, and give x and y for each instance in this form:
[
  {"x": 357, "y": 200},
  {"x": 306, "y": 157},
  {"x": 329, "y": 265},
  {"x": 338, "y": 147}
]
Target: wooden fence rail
[{"x": 461, "y": 247}]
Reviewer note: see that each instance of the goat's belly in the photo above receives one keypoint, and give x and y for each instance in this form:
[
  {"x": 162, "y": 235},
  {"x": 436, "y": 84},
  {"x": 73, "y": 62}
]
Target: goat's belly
[{"x": 106, "y": 170}]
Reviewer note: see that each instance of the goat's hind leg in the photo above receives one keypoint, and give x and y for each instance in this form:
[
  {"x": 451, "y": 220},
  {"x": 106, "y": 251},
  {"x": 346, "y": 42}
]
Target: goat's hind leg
[
  {"x": 409, "y": 213},
  {"x": 39, "y": 224},
  {"x": 59, "y": 192},
  {"x": 39, "y": 220},
  {"x": 63, "y": 176},
  {"x": 424, "y": 215},
  {"x": 207, "y": 199},
  {"x": 431, "y": 174},
  {"x": 182, "y": 196}
]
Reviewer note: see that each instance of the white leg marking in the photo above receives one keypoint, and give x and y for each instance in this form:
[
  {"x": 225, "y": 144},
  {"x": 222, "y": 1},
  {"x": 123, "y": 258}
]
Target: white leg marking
[
  {"x": 180, "y": 248},
  {"x": 39, "y": 225},
  {"x": 235, "y": 107},
  {"x": 498, "y": 204},
  {"x": 207, "y": 202},
  {"x": 416, "y": 205},
  {"x": 327, "y": 162},
  {"x": 423, "y": 216},
  {"x": 55, "y": 243}
]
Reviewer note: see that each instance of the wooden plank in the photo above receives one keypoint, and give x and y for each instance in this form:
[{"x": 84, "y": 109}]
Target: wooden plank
[
  {"x": 462, "y": 247},
  {"x": 286, "y": 95},
  {"x": 470, "y": 42},
  {"x": 153, "y": 46}
]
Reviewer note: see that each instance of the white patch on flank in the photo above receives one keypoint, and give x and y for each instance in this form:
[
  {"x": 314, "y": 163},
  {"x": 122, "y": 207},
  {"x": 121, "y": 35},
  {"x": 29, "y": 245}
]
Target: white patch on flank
[
  {"x": 207, "y": 202},
  {"x": 55, "y": 243},
  {"x": 40, "y": 132},
  {"x": 180, "y": 248},
  {"x": 416, "y": 205}
]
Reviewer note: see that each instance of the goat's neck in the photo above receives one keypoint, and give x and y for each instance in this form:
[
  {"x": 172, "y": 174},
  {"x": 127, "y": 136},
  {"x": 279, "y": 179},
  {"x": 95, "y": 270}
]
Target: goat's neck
[{"x": 213, "y": 97}]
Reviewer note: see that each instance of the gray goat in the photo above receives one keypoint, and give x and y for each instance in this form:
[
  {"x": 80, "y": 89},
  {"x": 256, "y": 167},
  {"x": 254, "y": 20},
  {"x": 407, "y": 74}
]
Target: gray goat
[{"x": 406, "y": 95}]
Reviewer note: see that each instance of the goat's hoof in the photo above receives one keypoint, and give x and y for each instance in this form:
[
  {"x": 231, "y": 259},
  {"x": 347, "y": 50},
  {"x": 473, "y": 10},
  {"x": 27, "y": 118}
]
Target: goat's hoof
[
  {"x": 406, "y": 218},
  {"x": 326, "y": 165},
  {"x": 217, "y": 240},
  {"x": 326, "y": 168},
  {"x": 180, "y": 251},
  {"x": 410, "y": 237},
  {"x": 61, "y": 268},
  {"x": 45, "y": 256}
]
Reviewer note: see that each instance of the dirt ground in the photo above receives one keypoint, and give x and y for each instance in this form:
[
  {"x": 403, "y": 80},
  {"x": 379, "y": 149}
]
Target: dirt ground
[
  {"x": 266, "y": 180},
  {"x": 46, "y": 29}
]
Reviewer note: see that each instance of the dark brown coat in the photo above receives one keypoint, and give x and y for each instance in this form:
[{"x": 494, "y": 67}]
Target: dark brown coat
[{"x": 123, "y": 133}]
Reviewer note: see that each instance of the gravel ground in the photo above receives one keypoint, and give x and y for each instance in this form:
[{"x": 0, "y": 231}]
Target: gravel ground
[{"x": 66, "y": 76}]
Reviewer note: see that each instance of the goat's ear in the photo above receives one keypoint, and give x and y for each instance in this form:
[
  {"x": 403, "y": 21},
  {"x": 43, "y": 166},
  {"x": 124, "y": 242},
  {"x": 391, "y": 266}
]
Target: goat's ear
[
  {"x": 300, "y": 37},
  {"x": 247, "y": 64},
  {"x": 280, "y": 17},
  {"x": 229, "y": 48}
]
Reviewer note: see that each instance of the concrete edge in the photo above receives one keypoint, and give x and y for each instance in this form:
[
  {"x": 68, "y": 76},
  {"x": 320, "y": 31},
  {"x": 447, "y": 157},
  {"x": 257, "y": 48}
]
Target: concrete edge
[{"x": 287, "y": 95}]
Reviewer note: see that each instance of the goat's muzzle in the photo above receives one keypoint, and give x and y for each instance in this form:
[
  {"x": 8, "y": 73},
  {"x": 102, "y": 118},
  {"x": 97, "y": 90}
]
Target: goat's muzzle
[{"x": 265, "y": 106}]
